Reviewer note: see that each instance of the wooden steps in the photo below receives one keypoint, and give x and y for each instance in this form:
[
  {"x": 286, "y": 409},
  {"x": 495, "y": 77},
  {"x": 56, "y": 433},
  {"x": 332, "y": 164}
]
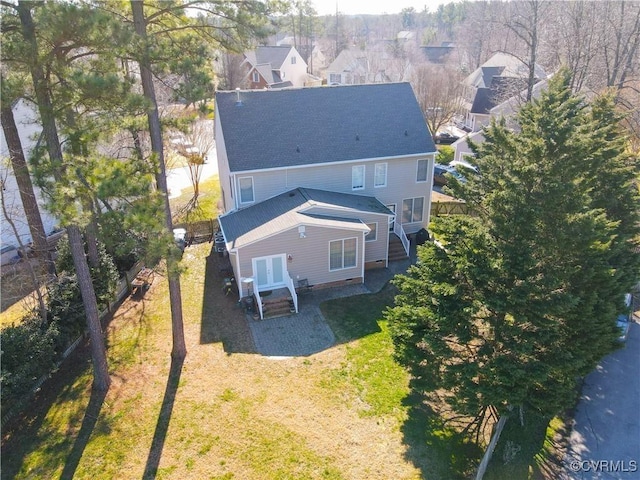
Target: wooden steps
[{"x": 396, "y": 250}]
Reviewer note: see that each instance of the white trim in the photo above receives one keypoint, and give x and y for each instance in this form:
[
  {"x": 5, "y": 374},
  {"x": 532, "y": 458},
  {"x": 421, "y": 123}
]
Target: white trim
[
  {"x": 341, "y": 162},
  {"x": 386, "y": 168},
  {"x": 253, "y": 191},
  {"x": 394, "y": 216},
  {"x": 285, "y": 272},
  {"x": 426, "y": 170},
  {"x": 342, "y": 240},
  {"x": 402, "y": 222},
  {"x": 364, "y": 173},
  {"x": 347, "y": 229}
]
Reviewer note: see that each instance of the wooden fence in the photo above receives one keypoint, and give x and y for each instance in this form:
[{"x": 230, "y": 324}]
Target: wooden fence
[
  {"x": 449, "y": 208},
  {"x": 199, "y": 232}
]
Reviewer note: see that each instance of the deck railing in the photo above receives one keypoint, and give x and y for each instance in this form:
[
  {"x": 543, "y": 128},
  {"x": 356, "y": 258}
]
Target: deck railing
[
  {"x": 258, "y": 302},
  {"x": 292, "y": 291},
  {"x": 399, "y": 231}
]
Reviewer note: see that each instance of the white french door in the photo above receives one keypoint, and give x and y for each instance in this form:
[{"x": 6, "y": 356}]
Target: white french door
[{"x": 269, "y": 272}]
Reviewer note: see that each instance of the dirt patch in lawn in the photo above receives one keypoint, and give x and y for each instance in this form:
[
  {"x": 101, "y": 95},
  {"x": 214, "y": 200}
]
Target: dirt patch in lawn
[{"x": 227, "y": 412}]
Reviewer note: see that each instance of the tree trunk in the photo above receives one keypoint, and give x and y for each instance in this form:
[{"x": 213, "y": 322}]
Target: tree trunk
[
  {"x": 25, "y": 186},
  {"x": 34, "y": 276},
  {"x": 179, "y": 349},
  {"x": 101, "y": 378}
]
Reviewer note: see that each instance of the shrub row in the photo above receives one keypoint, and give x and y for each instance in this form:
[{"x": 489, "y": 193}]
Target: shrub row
[{"x": 32, "y": 348}]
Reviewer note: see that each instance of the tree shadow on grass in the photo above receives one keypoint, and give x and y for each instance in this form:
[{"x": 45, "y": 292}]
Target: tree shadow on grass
[
  {"x": 222, "y": 319},
  {"x": 526, "y": 449},
  {"x": 91, "y": 415},
  {"x": 22, "y": 434},
  {"x": 162, "y": 426},
  {"x": 438, "y": 450}
]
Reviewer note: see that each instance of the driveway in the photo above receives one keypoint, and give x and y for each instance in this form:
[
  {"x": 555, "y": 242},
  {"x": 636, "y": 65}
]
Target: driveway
[{"x": 605, "y": 441}]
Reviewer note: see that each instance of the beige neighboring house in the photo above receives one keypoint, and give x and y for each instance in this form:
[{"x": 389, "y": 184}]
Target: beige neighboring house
[
  {"x": 274, "y": 67},
  {"x": 320, "y": 183},
  {"x": 356, "y": 67}
]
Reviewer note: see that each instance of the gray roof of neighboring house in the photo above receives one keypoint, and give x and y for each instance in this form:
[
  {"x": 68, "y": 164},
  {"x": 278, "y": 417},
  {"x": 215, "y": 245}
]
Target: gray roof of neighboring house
[
  {"x": 316, "y": 125},
  {"x": 349, "y": 61},
  {"x": 273, "y": 55},
  {"x": 264, "y": 69},
  {"x": 291, "y": 209},
  {"x": 437, "y": 54}
]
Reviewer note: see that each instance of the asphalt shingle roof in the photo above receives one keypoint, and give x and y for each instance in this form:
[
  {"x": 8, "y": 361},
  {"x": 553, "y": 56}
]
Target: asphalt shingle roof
[
  {"x": 290, "y": 209},
  {"x": 316, "y": 125}
]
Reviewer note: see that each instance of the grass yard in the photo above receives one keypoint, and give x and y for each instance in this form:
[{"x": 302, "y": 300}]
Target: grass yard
[{"x": 227, "y": 412}]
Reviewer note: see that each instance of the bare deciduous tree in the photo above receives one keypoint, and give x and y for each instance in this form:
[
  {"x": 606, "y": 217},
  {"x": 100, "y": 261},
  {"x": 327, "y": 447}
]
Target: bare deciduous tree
[{"x": 438, "y": 90}]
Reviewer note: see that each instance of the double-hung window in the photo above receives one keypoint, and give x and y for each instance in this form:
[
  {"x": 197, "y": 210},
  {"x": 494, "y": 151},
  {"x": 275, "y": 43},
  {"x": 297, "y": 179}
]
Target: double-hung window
[
  {"x": 412, "y": 210},
  {"x": 256, "y": 77},
  {"x": 343, "y": 253},
  {"x": 357, "y": 177},
  {"x": 246, "y": 189},
  {"x": 380, "y": 175},
  {"x": 421, "y": 175}
]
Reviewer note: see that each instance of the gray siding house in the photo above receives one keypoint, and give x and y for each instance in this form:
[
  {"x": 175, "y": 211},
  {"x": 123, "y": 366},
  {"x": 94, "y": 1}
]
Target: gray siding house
[{"x": 318, "y": 182}]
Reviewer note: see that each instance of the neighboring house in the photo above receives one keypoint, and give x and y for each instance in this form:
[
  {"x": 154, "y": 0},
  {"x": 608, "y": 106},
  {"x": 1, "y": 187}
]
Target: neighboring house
[
  {"x": 495, "y": 81},
  {"x": 274, "y": 67},
  {"x": 356, "y": 67},
  {"x": 318, "y": 182},
  {"x": 507, "y": 110},
  {"x": 29, "y": 128},
  {"x": 438, "y": 54}
]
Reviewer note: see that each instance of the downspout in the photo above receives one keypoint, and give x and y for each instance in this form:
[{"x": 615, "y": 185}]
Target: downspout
[{"x": 363, "y": 252}]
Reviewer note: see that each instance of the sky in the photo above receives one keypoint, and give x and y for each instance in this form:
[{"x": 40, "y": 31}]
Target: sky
[{"x": 353, "y": 7}]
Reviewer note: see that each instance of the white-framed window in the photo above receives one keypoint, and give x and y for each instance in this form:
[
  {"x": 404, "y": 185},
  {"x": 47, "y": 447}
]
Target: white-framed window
[
  {"x": 422, "y": 170},
  {"x": 372, "y": 236},
  {"x": 343, "y": 253},
  {"x": 293, "y": 60},
  {"x": 380, "y": 175},
  {"x": 357, "y": 177},
  {"x": 335, "y": 78},
  {"x": 256, "y": 76},
  {"x": 246, "y": 189},
  {"x": 412, "y": 210}
]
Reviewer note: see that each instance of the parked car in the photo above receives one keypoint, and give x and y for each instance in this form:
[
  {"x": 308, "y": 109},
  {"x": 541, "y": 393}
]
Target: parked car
[
  {"x": 10, "y": 255},
  {"x": 624, "y": 319},
  {"x": 465, "y": 165},
  {"x": 440, "y": 174},
  {"x": 445, "y": 138}
]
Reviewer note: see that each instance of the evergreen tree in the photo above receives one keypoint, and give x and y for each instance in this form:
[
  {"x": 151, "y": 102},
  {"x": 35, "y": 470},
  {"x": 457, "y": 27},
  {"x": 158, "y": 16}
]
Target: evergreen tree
[{"x": 517, "y": 302}]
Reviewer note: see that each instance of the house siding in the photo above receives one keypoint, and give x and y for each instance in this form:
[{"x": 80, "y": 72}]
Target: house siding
[
  {"x": 223, "y": 168},
  {"x": 401, "y": 182},
  {"x": 309, "y": 255},
  {"x": 375, "y": 250}
]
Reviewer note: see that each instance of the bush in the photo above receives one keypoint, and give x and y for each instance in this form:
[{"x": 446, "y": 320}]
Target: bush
[
  {"x": 445, "y": 154},
  {"x": 28, "y": 353}
]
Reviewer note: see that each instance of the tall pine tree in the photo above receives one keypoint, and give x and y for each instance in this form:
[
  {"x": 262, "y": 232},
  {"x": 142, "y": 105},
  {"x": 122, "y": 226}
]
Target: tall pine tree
[{"x": 520, "y": 300}]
